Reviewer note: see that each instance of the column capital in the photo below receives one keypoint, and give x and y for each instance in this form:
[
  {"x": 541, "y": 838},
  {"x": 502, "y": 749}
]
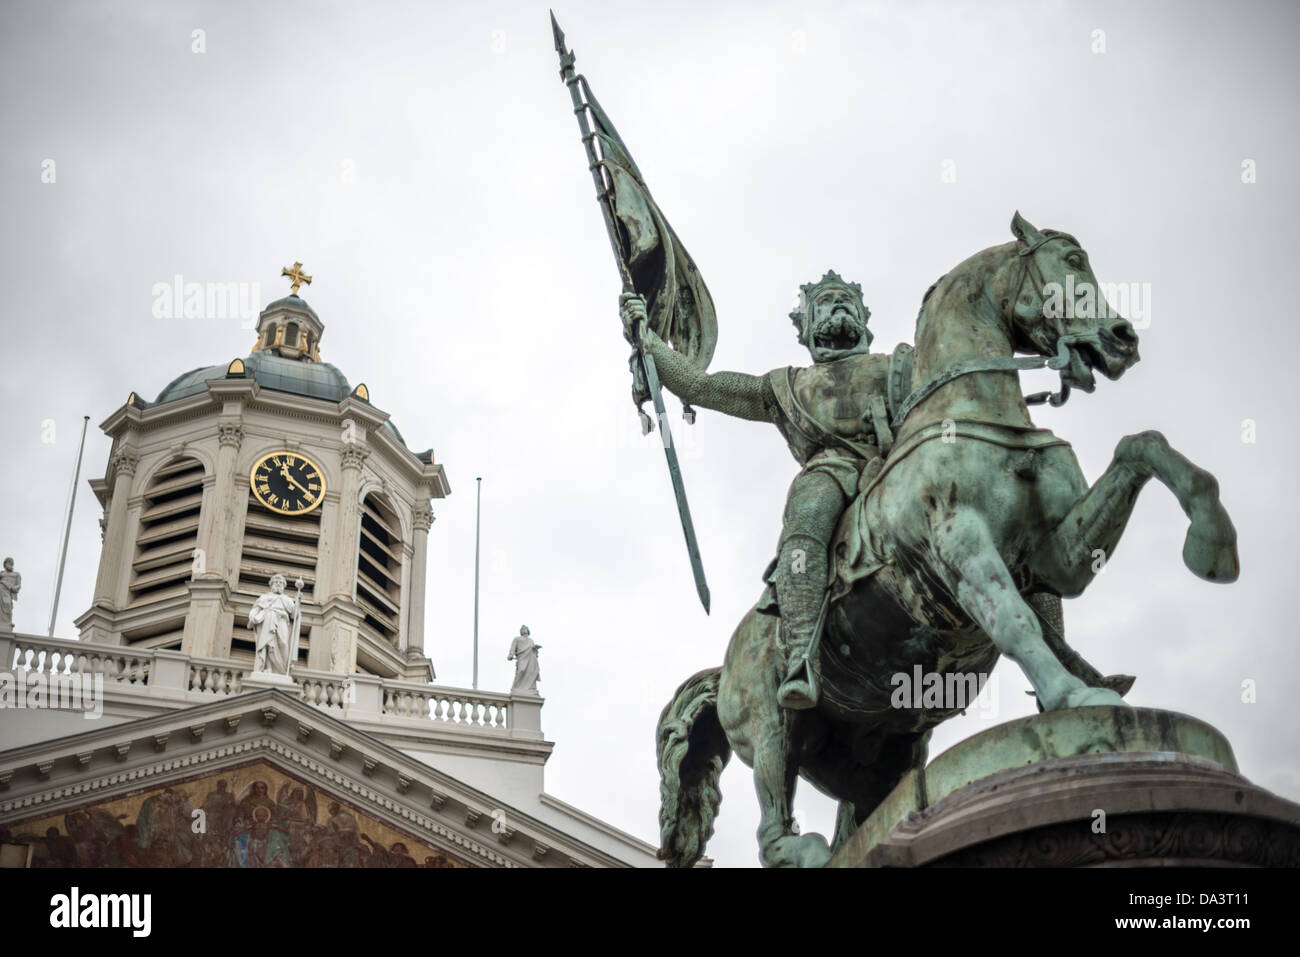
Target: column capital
[
  {"x": 422, "y": 515},
  {"x": 123, "y": 462},
  {"x": 354, "y": 455},
  {"x": 230, "y": 433}
]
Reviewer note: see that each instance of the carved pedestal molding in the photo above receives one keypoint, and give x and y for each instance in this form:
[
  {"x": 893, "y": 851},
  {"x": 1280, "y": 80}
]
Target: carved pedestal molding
[{"x": 1082, "y": 787}]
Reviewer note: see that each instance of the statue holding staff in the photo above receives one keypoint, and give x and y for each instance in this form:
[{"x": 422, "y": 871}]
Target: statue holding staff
[{"x": 276, "y": 620}]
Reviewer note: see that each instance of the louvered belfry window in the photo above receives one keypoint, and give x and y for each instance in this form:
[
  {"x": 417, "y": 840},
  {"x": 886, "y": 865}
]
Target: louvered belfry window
[
  {"x": 169, "y": 531},
  {"x": 379, "y": 569}
]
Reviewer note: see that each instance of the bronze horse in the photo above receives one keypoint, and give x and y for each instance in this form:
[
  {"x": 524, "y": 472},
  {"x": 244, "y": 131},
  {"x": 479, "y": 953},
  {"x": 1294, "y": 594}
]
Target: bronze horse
[{"x": 975, "y": 514}]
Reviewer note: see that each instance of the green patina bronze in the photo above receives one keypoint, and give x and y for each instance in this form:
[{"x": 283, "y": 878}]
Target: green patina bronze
[
  {"x": 931, "y": 526},
  {"x": 1141, "y": 732}
]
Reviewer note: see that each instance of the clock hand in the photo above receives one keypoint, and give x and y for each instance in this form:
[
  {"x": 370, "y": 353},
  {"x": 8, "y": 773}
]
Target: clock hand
[{"x": 284, "y": 470}]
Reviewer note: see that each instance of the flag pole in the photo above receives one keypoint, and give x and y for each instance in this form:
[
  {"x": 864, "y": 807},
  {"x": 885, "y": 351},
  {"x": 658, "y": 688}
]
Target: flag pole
[
  {"x": 67, "y": 532},
  {"x": 478, "y": 512},
  {"x": 644, "y": 359}
]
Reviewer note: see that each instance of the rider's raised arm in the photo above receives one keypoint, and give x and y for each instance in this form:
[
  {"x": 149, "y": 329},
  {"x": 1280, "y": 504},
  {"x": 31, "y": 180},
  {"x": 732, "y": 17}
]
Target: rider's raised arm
[{"x": 734, "y": 393}]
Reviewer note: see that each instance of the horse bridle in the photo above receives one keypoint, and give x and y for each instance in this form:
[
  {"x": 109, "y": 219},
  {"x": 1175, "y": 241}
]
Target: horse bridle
[{"x": 1004, "y": 363}]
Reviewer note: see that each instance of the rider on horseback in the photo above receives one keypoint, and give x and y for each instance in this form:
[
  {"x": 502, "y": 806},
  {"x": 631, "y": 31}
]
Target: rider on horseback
[{"x": 832, "y": 415}]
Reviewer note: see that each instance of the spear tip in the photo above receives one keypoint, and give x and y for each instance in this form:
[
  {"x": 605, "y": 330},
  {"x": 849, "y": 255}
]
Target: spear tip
[{"x": 559, "y": 34}]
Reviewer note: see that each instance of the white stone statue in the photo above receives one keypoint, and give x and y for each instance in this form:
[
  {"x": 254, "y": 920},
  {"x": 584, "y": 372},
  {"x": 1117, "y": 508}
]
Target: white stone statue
[
  {"x": 10, "y": 582},
  {"x": 523, "y": 652},
  {"x": 276, "y": 620}
]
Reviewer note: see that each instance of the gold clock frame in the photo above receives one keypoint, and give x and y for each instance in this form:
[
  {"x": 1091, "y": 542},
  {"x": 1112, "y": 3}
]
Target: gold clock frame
[{"x": 252, "y": 483}]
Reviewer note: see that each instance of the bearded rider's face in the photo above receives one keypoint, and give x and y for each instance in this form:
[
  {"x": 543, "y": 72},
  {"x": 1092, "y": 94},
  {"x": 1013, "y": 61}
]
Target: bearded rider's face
[{"x": 837, "y": 327}]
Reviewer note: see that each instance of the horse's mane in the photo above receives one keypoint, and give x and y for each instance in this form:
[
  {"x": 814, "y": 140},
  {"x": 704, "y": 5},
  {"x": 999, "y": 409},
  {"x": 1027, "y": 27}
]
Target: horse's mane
[{"x": 920, "y": 313}]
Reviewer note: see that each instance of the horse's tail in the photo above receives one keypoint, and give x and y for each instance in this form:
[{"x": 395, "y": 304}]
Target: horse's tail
[{"x": 693, "y": 750}]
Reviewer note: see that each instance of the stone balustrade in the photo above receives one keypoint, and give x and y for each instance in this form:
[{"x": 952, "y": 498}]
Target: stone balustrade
[
  {"x": 165, "y": 679},
  {"x": 215, "y": 676},
  {"x": 456, "y": 707},
  {"x": 56, "y": 656},
  {"x": 324, "y": 689}
]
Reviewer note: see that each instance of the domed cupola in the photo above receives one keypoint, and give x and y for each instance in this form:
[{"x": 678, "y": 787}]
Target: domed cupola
[{"x": 289, "y": 327}]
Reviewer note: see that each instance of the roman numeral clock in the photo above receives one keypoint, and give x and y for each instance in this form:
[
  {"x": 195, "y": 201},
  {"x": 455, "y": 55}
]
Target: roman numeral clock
[{"x": 287, "y": 483}]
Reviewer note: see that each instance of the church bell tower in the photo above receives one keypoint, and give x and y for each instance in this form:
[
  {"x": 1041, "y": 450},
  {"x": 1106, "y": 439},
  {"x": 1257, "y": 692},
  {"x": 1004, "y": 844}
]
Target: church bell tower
[{"x": 268, "y": 463}]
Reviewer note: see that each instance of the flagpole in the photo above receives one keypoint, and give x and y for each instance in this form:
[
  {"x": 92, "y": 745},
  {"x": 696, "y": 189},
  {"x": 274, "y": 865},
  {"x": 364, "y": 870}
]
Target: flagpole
[
  {"x": 583, "y": 102},
  {"x": 478, "y": 512},
  {"x": 67, "y": 532}
]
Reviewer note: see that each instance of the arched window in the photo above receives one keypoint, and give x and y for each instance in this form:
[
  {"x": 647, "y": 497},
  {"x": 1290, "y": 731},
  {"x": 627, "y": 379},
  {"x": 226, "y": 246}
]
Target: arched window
[{"x": 379, "y": 568}]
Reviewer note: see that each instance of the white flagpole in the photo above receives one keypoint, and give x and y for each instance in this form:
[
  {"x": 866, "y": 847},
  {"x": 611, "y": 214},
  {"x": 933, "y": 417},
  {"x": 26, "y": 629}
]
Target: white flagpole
[
  {"x": 67, "y": 532},
  {"x": 478, "y": 513}
]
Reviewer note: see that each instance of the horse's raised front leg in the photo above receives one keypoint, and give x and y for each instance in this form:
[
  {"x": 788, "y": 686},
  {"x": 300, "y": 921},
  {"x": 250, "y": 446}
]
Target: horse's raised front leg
[
  {"x": 1067, "y": 559},
  {"x": 968, "y": 560}
]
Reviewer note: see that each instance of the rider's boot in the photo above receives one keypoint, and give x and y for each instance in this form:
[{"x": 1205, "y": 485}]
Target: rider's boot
[{"x": 800, "y": 580}]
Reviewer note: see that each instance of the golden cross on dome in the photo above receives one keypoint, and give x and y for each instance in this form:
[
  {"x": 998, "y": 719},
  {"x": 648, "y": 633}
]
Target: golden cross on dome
[{"x": 296, "y": 277}]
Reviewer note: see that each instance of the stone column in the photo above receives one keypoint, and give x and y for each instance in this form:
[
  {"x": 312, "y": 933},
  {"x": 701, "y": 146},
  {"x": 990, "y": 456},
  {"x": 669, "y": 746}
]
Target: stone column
[
  {"x": 112, "y": 563},
  {"x": 342, "y": 570},
  {"x": 210, "y": 621},
  {"x": 334, "y": 641},
  {"x": 222, "y": 540},
  {"x": 422, "y": 520}
]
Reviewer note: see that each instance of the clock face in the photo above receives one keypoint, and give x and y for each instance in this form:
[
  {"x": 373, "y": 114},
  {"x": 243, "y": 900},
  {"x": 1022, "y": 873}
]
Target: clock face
[{"x": 287, "y": 483}]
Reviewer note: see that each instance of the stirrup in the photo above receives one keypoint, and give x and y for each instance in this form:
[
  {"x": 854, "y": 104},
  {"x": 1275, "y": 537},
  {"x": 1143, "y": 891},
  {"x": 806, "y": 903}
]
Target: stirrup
[{"x": 797, "y": 691}]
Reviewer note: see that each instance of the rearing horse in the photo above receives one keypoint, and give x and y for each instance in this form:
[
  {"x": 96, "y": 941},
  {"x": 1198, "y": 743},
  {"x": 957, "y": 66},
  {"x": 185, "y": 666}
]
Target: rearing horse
[{"x": 974, "y": 513}]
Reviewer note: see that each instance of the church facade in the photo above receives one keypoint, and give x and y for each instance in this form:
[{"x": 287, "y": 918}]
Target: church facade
[{"x": 269, "y": 465}]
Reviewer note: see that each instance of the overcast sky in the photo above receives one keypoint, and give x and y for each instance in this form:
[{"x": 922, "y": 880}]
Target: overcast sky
[{"x": 422, "y": 161}]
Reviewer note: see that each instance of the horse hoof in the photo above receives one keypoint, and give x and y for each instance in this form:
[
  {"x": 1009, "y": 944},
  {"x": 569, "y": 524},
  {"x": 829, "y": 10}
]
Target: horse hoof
[
  {"x": 806, "y": 850},
  {"x": 1212, "y": 559},
  {"x": 1094, "y": 697}
]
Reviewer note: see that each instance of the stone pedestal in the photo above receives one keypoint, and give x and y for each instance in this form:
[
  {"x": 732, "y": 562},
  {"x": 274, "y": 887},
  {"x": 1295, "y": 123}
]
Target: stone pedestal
[
  {"x": 1081, "y": 788},
  {"x": 257, "y": 680}
]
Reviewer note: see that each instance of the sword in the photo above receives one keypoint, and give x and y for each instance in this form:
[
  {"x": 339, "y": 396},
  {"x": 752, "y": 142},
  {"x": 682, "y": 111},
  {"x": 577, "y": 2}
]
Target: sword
[{"x": 643, "y": 356}]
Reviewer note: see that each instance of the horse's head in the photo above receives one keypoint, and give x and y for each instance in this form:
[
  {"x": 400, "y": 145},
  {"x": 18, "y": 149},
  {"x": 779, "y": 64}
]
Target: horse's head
[{"x": 1057, "y": 308}]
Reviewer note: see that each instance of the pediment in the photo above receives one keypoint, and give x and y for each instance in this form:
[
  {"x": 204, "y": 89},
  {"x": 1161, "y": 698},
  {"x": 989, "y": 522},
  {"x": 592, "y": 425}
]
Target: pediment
[{"x": 153, "y": 773}]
